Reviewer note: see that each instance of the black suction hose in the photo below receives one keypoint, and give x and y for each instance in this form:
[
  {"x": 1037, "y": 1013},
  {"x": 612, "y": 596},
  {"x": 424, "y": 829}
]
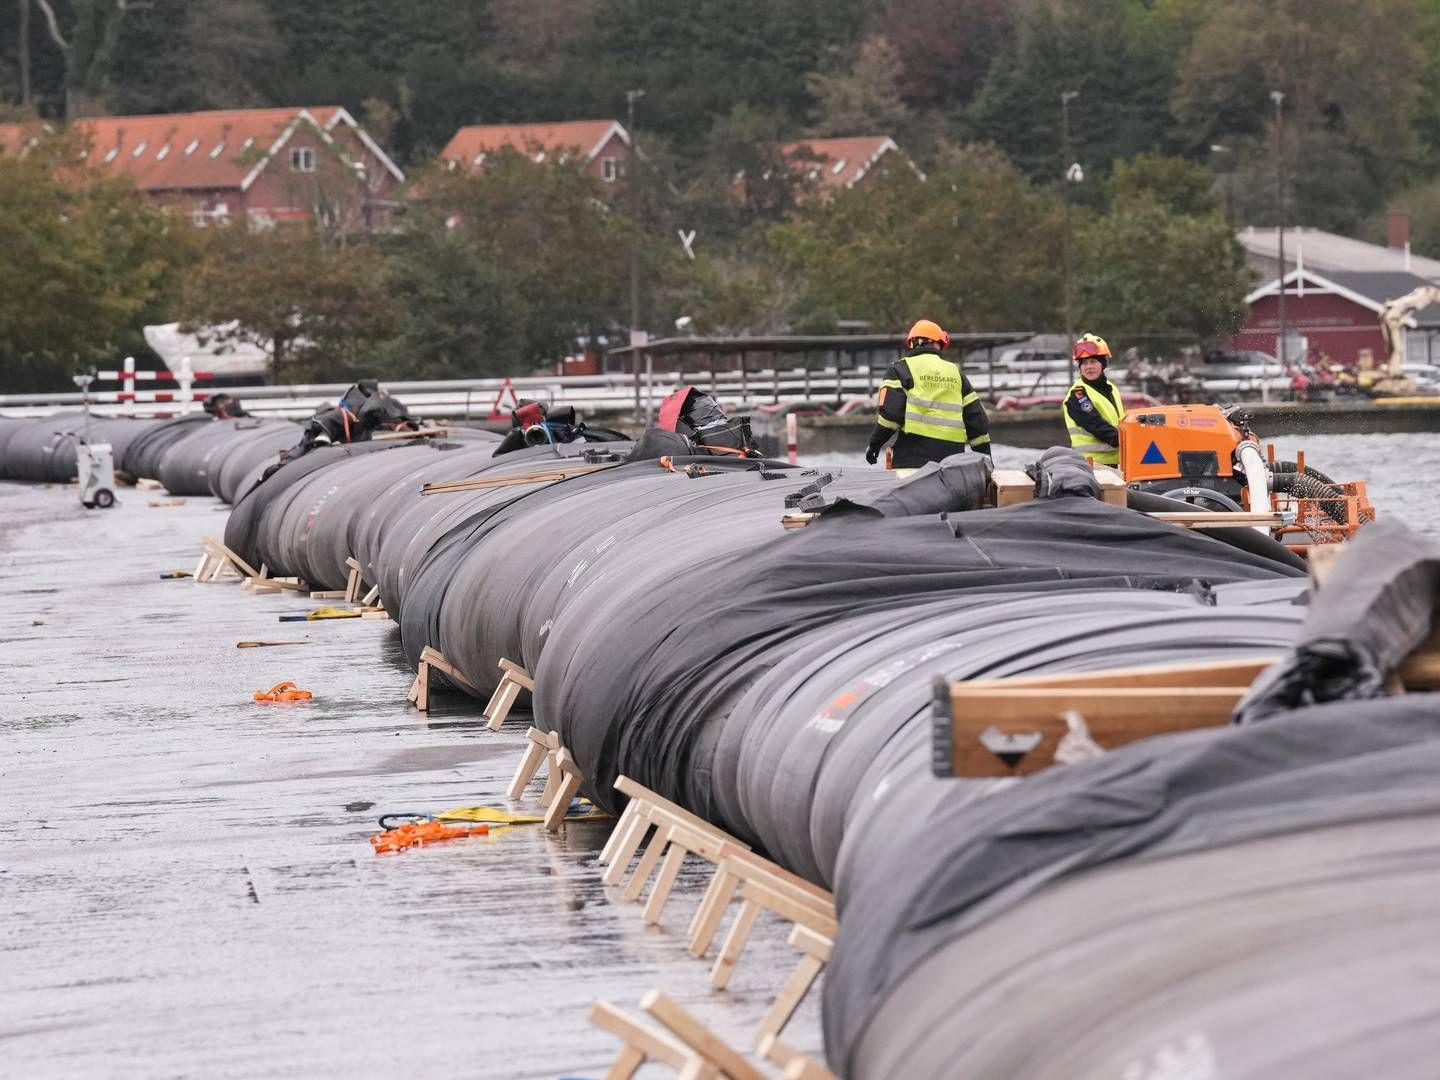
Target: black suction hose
[{"x": 1251, "y": 540}]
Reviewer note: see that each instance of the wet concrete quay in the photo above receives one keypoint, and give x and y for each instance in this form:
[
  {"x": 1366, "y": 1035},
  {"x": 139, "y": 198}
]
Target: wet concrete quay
[{"x": 186, "y": 886}]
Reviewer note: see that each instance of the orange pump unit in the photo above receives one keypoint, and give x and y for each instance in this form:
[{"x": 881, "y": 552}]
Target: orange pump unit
[{"x": 1183, "y": 450}]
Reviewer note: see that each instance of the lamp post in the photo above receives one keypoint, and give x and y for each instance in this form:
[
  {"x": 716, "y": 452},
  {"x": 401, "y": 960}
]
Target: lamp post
[
  {"x": 632, "y": 96},
  {"x": 1279, "y": 99},
  {"x": 1227, "y": 182},
  {"x": 1066, "y": 178}
]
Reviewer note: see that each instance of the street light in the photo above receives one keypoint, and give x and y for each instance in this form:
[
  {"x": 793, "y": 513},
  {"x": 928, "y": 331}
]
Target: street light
[
  {"x": 1071, "y": 173},
  {"x": 1228, "y": 183},
  {"x": 1279, "y": 99},
  {"x": 636, "y": 337}
]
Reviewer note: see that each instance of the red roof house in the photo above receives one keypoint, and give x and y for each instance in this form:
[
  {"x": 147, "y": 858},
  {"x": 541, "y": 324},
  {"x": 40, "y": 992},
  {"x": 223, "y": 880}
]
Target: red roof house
[
  {"x": 600, "y": 147},
  {"x": 266, "y": 165},
  {"x": 836, "y": 164}
]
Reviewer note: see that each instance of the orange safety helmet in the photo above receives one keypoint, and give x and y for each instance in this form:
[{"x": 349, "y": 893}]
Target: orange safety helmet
[
  {"x": 1090, "y": 347},
  {"x": 926, "y": 330}
]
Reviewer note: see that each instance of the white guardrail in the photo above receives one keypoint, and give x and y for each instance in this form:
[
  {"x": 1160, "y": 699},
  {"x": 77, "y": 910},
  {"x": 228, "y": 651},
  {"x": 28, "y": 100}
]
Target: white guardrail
[{"x": 613, "y": 395}]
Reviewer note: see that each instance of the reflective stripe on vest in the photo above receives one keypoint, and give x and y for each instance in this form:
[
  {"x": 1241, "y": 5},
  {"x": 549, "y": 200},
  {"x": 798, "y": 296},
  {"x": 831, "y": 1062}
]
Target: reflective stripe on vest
[
  {"x": 1081, "y": 439},
  {"x": 935, "y": 404}
]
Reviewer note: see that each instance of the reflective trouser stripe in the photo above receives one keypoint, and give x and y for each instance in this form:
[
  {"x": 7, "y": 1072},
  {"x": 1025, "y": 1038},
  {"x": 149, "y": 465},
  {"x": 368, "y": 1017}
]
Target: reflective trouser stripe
[{"x": 980, "y": 440}]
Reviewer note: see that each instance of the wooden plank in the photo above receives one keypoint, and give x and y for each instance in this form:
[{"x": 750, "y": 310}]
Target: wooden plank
[
  {"x": 1221, "y": 519},
  {"x": 788, "y": 906},
  {"x": 1114, "y": 715},
  {"x": 1011, "y": 486},
  {"x": 734, "y": 943},
  {"x": 801, "y": 1067},
  {"x": 483, "y": 483},
  {"x": 664, "y": 882},
  {"x": 698, "y": 1037},
  {"x": 422, "y": 433},
  {"x": 1206, "y": 673},
  {"x": 240, "y": 564},
  {"x": 635, "y": 790},
  {"x": 654, "y": 1044},
  {"x": 789, "y": 998},
  {"x": 1112, "y": 485},
  {"x": 1421, "y": 669}
]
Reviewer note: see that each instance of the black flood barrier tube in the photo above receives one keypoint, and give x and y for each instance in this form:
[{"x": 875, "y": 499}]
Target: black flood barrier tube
[
  {"x": 650, "y": 702},
  {"x": 141, "y": 459},
  {"x": 42, "y": 449},
  {"x": 275, "y": 514},
  {"x": 1209, "y": 896},
  {"x": 190, "y": 465}
]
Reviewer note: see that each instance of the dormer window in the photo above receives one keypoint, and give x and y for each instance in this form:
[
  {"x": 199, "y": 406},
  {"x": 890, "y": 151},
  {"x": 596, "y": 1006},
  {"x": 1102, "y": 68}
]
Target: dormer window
[
  {"x": 139, "y": 149},
  {"x": 302, "y": 159},
  {"x": 610, "y": 169},
  {"x": 112, "y": 154},
  {"x": 194, "y": 145},
  {"x": 219, "y": 149}
]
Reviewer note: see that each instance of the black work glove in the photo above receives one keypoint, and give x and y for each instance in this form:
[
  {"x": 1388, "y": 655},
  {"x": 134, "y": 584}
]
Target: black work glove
[{"x": 872, "y": 454}]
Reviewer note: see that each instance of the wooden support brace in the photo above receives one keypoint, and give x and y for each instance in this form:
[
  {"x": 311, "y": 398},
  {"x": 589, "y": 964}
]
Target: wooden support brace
[
  {"x": 630, "y": 841},
  {"x": 665, "y": 881},
  {"x": 759, "y": 890},
  {"x": 801, "y": 1067},
  {"x": 432, "y": 660},
  {"x": 513, "y": 679},
  {"x": 700, "y": 1039},
  {"x": 236, "y": 564},
  {"x": 352, "y": 586},
  {"x": 538, "y": 743},
  {"x": 328, "y": 594},
  {"x": 371, "y": 596},
  {"x": 815, "y": 954},
  {"x": 641, "y": 1042},
  {"x": 569, "y": 787},
  {"x": 627, "y": 815}
]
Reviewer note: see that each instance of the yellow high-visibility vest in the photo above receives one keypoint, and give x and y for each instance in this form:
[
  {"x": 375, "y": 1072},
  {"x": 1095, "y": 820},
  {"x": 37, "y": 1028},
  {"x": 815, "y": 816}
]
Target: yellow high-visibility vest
[
  {"x": 935, "y": 404},
  {"x": 1110, "y": 411}
]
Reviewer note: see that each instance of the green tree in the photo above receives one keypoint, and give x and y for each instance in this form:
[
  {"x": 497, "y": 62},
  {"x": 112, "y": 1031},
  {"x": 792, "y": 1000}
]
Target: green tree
[
  {"x": 863, "y": 100},
  {"x": 538, "y": 239},
  {"x": 1180, "y": 186},
  {"x": 316, "y": 307},
  {"x": 1144, "y": 270},
  {"x": 974, "y": 246},
  {"x": 1106, "y": 51},
  {"x": 88, "y": 262},
  {"x": 460, "y": 313}
]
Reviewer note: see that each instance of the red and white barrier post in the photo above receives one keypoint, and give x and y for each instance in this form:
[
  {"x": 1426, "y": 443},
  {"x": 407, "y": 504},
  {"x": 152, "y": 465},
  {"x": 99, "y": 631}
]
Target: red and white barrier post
[{"x": 792, "y": 435}]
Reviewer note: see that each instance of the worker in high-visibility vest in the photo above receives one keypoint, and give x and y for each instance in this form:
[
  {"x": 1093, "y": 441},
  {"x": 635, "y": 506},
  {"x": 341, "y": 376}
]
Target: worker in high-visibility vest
[
  {"x": 927, "y": 404},
  {"x": 1093, "y": 407}
]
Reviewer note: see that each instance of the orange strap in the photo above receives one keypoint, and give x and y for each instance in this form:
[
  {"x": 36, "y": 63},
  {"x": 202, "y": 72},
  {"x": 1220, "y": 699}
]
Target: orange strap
[
  {"x": 283, "y": 691},
  {"x": 422, "y": 833}
]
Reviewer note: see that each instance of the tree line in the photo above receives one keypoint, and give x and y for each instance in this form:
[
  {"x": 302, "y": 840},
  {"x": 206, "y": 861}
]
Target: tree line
[{"x": 1170, "y": 113}]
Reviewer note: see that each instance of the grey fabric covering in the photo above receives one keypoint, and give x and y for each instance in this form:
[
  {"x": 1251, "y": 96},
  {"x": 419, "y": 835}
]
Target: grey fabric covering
[
  {"x": 1063, "y": 472},
  {"x": 1172, "y": 798},
  {"x": 1378, "y": 604},
  {"x": 959, "y": 482}
]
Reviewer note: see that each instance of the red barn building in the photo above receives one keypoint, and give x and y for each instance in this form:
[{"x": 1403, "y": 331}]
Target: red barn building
[
  {"x": 263, "y": 165},
  {"x": 1337, "y": 314}
]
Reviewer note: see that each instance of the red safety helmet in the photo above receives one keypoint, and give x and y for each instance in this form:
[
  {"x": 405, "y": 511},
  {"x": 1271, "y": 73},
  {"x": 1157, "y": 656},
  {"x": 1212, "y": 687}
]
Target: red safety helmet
[{"x": 1090, "y": 347}]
